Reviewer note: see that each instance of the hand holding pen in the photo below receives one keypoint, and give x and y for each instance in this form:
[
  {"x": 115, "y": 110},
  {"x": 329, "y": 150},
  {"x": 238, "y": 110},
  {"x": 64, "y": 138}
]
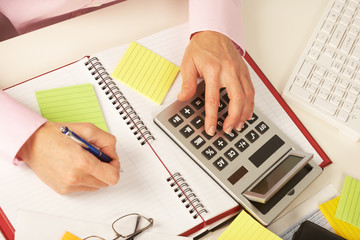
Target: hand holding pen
[
  {"x": 64, "y": 165},
  {"x": 87, "y": 146}
]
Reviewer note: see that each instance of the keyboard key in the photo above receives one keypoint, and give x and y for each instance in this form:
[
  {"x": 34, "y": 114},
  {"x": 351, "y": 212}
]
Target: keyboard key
[
  {"x": 198, "y": 122},
  {"x": 337, "y": 35},
  {"x": 301, "y": 92},
  {"x": 220, "y": 143},
  {"x": 306, "y": 68},
  {"x": 253, "y": 118},
  {"x": 343, "y": 115},
  {"x": 347, "y": 106},
  {"x": 198, "y": 142},
  {"x": 220, "y": 163},
  {"x": 262, "y": 127},
  {"x": 226, "y": 98},
  {"x": 197, "y": 103},
  {"x": 187, "y": 111},
  {"x": 252, "y": 136},
  {"x": 209, "y": 152},
  {"x": 176, "y": 120},
  {"x": 326, "y": 106},
  {"x": 231, "y": 136},
  {"x": 244, "y": 127},
  {"x": 231, "y": 154},
  {"x": 187, "y": 131},
  {"x": 242, "y": 145},
  {"x": 207, "y": 136},
  {"x": 222, "y": 106},
  {"x": 219, "y": 124}
]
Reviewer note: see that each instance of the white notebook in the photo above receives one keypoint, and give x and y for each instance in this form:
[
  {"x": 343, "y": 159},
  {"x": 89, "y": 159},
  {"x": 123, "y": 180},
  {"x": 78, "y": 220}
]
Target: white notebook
[{"x": 143, "y": 185}]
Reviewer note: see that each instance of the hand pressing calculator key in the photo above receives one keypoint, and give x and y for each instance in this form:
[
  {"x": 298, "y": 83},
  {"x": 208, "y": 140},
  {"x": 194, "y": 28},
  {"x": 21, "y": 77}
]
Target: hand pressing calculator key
[{"x": 258, "y": 166}]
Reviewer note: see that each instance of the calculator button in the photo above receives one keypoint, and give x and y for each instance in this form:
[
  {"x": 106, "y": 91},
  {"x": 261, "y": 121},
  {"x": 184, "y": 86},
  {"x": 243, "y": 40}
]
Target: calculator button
[
  {"x": 187, "y": 111},
  {"x": 203, "y": 95},
  {"x": 208, "y": 137},
  {"x": 244, "y": 127},
  {"x": 222, "y": 106},
  {"x": 252, "y": 136},
  {"x": 225, "y": 114},
  {"x": 187, "y": 131},
  {"x": 231, "y": 136},
  {"x": 220, "y": 163},
  {"x": 220, "y": 143},
  {"x": 236, "y": 176},
  {"x": 220, "y": 123},
  {"x": 198, "y": 122},
  {"x": 226, "y": 98},
  {"x": 242, "y": 145},
  {"x": 176, "y": 120},
  {"x": 253, "y": 119},
  {"x": 197, "y": 103},
  {"x": 198, "y": 142},
  {"x": 209, "y": 152},
  {"x": 203, "y": 113},
  {"x": 262, "y": 127},
  {"x": 231, "y": 154}
]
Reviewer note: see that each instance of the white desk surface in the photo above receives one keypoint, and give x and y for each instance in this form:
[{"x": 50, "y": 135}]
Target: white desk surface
[{"x": 275, "y": 34}]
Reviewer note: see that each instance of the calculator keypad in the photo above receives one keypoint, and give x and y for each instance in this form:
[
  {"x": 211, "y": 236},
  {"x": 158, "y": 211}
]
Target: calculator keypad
[{"x": 236, "y": 159}]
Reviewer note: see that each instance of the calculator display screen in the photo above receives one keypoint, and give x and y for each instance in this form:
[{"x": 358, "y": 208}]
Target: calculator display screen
[{"x": 276, "y": 175}]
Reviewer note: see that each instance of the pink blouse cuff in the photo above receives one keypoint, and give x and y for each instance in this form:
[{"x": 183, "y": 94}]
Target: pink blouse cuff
[
  {"x": 217, "y": 15},
  {"x": 17, "y": 124}
]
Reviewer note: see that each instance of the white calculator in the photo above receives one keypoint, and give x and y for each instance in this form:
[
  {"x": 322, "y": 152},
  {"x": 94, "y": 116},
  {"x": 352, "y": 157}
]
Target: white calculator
[{"x": 258, "y": 166}]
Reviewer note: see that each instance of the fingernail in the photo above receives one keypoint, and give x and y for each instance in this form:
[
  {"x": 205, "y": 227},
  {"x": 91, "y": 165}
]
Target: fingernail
[
  {"x": 211, "y": 130},
  {"x": 228, "y": 130},
  {"x": 250, "y": 116},
  {"x": 239, "y": 126}
]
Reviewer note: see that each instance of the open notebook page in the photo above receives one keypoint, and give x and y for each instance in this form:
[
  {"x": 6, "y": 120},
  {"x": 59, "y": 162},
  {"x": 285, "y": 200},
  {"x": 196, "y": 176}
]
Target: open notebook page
[
  {"x": 171, "y": 44},
  {"x": 142, "y": 187}
]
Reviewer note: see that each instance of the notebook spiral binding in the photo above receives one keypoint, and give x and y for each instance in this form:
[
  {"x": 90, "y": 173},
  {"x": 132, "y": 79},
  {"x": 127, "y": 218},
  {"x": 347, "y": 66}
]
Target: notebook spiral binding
[
  {"x": 118, "y": 99},
  {"x": 192, "y": 203}
]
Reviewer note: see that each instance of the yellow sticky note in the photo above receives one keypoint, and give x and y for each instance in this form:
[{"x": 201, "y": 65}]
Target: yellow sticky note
[
  {"x": 146, "y": 72},
  {"x": 245, "y": 227},
  {"x": 348, "y": 209},
  {"x": 341, "y": 228},
  {"x": 71, "y": 104},
  {"x": 69, "y": 236}
]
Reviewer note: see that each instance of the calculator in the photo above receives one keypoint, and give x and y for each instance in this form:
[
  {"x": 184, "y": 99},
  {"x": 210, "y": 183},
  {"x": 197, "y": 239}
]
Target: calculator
[{"x": 257, "y": 166}]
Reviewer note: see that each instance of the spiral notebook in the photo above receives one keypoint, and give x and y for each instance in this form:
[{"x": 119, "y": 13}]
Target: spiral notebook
[{"x": 158, "y": 180}]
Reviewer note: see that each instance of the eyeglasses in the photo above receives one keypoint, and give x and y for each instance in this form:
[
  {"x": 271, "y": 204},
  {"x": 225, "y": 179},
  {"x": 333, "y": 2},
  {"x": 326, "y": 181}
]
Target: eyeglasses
[{"x": 123, "y": 225}]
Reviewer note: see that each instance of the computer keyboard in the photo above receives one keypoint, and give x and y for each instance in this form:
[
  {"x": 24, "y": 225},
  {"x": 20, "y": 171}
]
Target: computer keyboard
[{"x": 326, "y": 79}]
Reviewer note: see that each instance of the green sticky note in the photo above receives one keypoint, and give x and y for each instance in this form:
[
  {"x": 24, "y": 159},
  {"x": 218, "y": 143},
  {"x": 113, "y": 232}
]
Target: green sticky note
[
  {"x": 146, "y": 72},
  {"x": 348, "y": 209},
  {"x": 71, "y": 104}
]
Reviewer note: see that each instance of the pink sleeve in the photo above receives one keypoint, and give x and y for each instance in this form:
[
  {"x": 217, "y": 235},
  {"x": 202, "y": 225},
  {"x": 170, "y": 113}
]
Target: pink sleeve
[
  {"x": 17, "y": 124},
  {"x": 222, "y": 16}
]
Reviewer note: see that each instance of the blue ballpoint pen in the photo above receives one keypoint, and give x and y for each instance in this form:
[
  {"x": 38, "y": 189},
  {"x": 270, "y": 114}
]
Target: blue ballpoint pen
[{"x": 87, "y": 146}]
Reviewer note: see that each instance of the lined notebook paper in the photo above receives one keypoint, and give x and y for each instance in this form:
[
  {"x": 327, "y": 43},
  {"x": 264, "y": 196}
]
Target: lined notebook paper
[
  {"x": 71, "y": 104},
  {"x": 245, "y": 227},
  {"x": 348, "y": 209},
  {"x": 146, "y": 72},
  {"x": 341, "y": 228}
]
